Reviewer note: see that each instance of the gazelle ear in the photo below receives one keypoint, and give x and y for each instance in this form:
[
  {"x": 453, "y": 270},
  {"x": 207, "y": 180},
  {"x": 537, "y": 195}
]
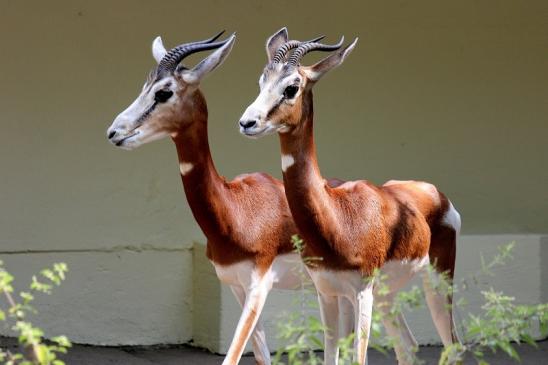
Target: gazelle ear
[
  {"x": 316, "y": 71},
  {"x": 209, "y": 63},
  {"x": 276, "y": 41},
  {"x": 158, "y": 49}
]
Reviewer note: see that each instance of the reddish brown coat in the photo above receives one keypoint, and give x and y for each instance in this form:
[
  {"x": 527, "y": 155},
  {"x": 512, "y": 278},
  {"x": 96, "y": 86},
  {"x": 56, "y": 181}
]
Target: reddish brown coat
[
  {"x": 246, "y": 218},
  {"x": 358, "y": 225}
]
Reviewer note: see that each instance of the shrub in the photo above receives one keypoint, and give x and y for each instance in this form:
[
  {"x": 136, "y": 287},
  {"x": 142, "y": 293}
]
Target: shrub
[
  {"x": 501, "y": 324},
  {"x": 35, "y": 350}
]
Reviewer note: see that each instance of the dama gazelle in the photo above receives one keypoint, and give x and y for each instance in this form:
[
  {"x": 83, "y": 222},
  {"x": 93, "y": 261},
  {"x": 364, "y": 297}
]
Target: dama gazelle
[
  {"x": 247, "y": 221},
  {"x": 355, "y": 227}
]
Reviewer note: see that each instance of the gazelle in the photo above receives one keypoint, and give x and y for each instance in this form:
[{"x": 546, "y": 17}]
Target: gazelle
[
  {"x": 355, "y": 227},
  {"x": 247, "y": 221}
]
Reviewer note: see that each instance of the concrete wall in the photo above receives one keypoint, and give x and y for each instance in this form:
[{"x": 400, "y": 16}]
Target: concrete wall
[{"x": 453, "y": 93}]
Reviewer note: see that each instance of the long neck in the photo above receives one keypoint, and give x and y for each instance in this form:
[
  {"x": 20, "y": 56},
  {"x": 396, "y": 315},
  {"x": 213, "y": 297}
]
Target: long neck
[
  {"x": 306, "y": 190},
  {"x": 203, "y": 186}
]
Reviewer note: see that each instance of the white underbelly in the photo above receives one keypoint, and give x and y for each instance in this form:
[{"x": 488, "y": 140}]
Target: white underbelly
[
  {"x": 287, "y": 272},
  {"x": 348, "y": 283}
]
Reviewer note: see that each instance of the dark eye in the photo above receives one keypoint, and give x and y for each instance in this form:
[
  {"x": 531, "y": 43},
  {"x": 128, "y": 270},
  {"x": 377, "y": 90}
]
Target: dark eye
[
  {"x": 290, "y": 91},
  {"x": 162, "y": 96}
]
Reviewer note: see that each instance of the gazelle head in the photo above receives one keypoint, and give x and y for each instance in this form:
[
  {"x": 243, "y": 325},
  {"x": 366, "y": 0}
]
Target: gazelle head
[
  {"x": 285, "y": 84},
  {"x": 165, "y": 103}
]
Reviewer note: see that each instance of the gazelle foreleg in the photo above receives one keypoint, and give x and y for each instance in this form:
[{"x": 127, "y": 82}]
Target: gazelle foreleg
[
  {"x": 363, "y": 307},
  {"x": 258, "y": 336},
  {"x": 256, "y": 295},
  {"x": 346, "y": 317},
  {"x": 329, "y": 312}
]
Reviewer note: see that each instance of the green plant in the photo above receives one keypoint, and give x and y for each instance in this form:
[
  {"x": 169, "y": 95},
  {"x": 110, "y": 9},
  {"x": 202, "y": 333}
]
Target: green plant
[
  {"x": 35, "y": 350},
  {"x": 499, "y": 326},
  {"x": 302, "y": 332}
]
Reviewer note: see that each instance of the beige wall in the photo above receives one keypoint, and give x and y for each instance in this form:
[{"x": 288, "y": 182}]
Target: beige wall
[{"x": 450, "y": 92}]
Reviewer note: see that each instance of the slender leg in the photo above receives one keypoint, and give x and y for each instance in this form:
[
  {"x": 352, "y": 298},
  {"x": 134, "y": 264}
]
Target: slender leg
[
  {"x": 441, "y": 310},
  {"x": 397, "y": 329},
  {"x": 363, "y": 322},
  {"x": 258, "y": 336},
  {"x": 329, "y": 312},
  {"x": 397, "y": 276},
  {"x": 346, "y": 317},
  {"x": 253, "y": 305}
]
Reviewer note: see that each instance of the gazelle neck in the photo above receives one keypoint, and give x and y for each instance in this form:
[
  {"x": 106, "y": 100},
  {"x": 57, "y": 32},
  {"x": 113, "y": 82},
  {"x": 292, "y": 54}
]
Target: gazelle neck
[
  {"x": 299, "y": 162},
  {"x": 192, "y": 141},
  {"x": 306, "y": 190},
  {"x": 203, "y": 185}
]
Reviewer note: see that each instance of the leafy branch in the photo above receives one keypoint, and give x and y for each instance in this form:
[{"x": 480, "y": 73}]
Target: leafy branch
[{"x": 31, "y": 339}]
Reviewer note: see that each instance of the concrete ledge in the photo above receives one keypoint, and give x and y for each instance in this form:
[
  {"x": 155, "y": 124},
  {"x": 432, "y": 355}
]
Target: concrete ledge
[
  {"x": 172, "y": 355},
  {"x": 113, "y": 298}
]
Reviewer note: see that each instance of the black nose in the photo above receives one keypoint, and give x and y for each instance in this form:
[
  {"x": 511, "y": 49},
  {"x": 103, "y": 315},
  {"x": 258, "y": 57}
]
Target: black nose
[
  {"x": 247, "y": 123},
  {"x": 111, "y": 134}
]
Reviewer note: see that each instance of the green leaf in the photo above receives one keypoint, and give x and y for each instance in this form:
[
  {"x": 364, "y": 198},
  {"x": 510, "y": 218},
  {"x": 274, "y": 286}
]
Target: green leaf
[
  {"x": 506, "y": 347},
  {"x": 27, "y": 297},
  {"x": 529, "y": 340},
  {"x": 316, "y": 342},
  {"x": 62, "y": 341}
]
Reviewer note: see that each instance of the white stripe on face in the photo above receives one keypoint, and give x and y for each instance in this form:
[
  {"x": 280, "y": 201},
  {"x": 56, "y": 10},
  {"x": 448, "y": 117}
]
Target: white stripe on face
[{"x": 270, "y": 95}]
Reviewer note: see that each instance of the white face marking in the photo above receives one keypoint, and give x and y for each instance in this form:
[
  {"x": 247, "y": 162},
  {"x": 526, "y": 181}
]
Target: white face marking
[
  {"x": 185, "y": 167},
  {"x": 287, "y": 161},
  {"x": 271, "y": 94},
  {"x": 131, "y": 131}
]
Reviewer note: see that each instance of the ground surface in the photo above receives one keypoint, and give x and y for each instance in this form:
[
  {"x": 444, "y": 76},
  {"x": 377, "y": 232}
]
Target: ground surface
[{"x": 94, "y": 355}]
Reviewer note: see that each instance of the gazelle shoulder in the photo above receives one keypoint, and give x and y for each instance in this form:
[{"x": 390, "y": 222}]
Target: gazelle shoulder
[
  {"x": 419, "y": 190},
  {"x": 358, "y": 186},
  {"x": 256, "y": 178}
]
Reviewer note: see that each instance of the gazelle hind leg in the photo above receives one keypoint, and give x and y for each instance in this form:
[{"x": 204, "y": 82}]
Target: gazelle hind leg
[
  {"x": 398, "y": 331},
  {"x": 443, "y": 251},
  {"x": 254, "y": 302},
  {"x": 397, "y": 275},
  {"x": 258, "y": 336},
  {"x": 440, "y": 306}
]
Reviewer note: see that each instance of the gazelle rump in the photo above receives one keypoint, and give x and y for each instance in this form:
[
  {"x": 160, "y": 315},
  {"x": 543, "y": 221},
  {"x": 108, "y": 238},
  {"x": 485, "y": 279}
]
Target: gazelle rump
[
  {"x": 246, "y": 221},
  {"x": 356, "y": 226}
]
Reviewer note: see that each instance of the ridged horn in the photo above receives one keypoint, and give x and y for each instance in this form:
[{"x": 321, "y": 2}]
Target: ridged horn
[
  {"x": 172, "y": 59},
  {"x": 304, "y": 48},
  {"x": 289, "y": 45}
]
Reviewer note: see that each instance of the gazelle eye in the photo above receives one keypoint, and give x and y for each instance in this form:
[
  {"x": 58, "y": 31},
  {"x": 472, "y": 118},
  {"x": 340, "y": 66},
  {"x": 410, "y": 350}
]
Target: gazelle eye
[
  {"x": 290, "y": 91},
  {"x": 162, "y": 96}
]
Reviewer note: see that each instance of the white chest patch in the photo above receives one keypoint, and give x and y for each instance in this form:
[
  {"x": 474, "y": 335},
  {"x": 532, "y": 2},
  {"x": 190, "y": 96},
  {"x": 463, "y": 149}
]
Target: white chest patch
[
  {"x": 185, "y": 167},
  {"x": 287, "y": 161}
]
